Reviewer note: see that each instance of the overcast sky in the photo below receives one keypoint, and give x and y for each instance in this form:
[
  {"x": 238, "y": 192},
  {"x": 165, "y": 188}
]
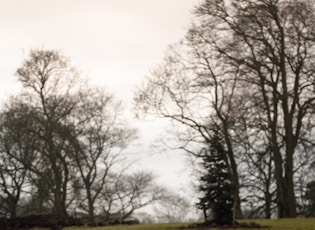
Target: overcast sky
[{"x": 113, "y": 42}]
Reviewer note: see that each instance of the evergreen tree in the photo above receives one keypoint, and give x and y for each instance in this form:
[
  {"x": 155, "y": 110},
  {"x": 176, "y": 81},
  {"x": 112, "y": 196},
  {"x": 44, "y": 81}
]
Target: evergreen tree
[{"x": 216, "y": 184}]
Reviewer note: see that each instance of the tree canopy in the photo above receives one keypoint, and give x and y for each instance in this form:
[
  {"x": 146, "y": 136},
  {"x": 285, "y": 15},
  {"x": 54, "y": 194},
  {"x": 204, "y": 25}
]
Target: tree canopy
[
  {"x": 245, "y": 70},
  {"x": 61, "y": 146}
]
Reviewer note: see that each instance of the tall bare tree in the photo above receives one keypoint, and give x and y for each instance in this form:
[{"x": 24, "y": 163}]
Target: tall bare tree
[
  {"x": 272, "y": 43},
  {"x": 17, "y": 154},
  {"x": 79, "y": 131},
  {"x": 99, "y": 139},
  {"x": 197, "y": 92},
  {"x": 252, "y": 59},
  {"x": 50, "y": 84}
]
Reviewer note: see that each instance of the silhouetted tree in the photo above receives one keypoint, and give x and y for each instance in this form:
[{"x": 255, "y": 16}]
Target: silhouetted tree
[
  {"x": 271, "y": 45},
  {"x": 17, "y": 147},
  {"x": 79, "y": 132},
  {"x": 50, "y": 87},
  {"x": 216, "y": 184},
  {"x": 247, "y": 69},
  {"x": 99, "y": 140}
]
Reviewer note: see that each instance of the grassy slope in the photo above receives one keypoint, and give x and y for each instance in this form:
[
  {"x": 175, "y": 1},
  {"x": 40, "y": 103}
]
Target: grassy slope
[
  {"x": 282, "y": 224},
  {"x": 289, "y": 224},
  {"x": 135, "y": 227}
]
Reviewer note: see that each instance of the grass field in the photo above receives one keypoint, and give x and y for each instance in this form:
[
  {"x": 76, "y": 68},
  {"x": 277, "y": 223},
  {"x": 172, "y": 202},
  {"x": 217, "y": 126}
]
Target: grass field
[
  {"x": 282, "y": 224},
  {"x": 288, "y": 224}
]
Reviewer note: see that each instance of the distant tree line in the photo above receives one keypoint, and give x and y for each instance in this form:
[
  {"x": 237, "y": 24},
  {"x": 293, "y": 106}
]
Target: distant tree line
[
  {"x": 61, "y": 144},
  {"x": 245, "y": 72}
]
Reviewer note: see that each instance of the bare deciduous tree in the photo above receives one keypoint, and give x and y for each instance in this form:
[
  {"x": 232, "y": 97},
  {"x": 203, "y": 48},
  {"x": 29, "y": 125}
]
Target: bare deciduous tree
[
  {"x": 127, "y": 193},
  {"x": 100, "y": 137},
  {"x": 252, "y": 59},
  {"x": 16, "y": 149},
  {"x": 50, "y": 85},
  {"x": 81, "y": 130},
  {"x": 173, "y": 208}
]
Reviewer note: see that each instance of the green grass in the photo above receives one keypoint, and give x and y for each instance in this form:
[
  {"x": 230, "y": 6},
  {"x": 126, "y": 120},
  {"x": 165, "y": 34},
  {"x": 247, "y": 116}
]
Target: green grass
[
  {"x": 282, "y": 224},
  {"x": 173, "y": 226},
  {"x": 288, "y": 224}
]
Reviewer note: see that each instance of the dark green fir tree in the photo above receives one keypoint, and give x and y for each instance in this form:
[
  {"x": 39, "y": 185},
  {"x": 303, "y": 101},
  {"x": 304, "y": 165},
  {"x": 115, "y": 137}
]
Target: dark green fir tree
[{"x": 216, "y": 184}]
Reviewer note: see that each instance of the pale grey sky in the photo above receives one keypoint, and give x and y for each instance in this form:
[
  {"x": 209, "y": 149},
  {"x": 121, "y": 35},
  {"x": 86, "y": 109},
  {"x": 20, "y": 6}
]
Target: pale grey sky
[{"x": 113, "y": 42}]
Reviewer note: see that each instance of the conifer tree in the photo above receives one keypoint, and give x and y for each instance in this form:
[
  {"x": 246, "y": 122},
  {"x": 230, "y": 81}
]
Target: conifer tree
[{"x": 216, "y": 184}]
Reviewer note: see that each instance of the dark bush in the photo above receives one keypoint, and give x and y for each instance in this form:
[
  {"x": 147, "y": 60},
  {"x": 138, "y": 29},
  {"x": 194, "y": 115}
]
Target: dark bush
[{"x": 53, "y": 222}]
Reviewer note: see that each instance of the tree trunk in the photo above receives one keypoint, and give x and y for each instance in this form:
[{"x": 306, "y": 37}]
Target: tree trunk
[
  {"x": 268, "y": 203},
  {"x": 59, "y": 204},
  {"x": 290, "y": 203},
  {"x": 237, "y": 211},
  {"x": 13, "y": 207},
  {"x": 285, "y": 191},
  {"x": 279, "y": 183},
  {"x": 90, "y": 205},
  {"x": 230, "y": 160}
]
